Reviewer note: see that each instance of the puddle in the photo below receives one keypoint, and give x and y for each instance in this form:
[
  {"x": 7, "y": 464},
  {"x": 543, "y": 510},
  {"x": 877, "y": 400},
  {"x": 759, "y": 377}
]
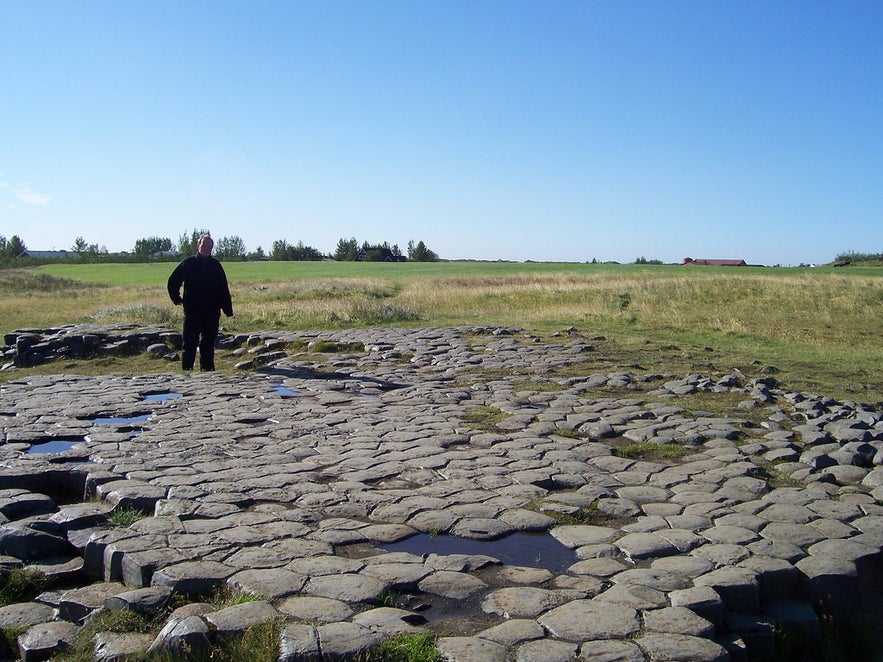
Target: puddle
[
  {"x": 120, "y": 420},
  {"x": 532, "y": 550},
  {"x": 285, "y": 392},
  {"x": 55, "y": 446},
  {"x": 161, "y": 397}
]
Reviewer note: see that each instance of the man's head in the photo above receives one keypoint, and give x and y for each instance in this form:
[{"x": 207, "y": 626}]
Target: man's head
[{"x": 204, "y": 245}]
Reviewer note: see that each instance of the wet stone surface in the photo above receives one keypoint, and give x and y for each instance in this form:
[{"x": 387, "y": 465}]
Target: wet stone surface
[{"x": 357, "y": 496}]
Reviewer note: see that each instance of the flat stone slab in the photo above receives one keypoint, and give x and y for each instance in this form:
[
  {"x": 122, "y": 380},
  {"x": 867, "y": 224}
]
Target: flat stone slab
[
  {"x": 522, "y": 601},
  {"x": 192, "y": 577},
  {"x": 471, "y": 649},
  {"x": 679, "y": 647},
  {"x": 25, "y": 614},
  {"x": 313, "y": 609},
  {"x": 581, "y": 620}
]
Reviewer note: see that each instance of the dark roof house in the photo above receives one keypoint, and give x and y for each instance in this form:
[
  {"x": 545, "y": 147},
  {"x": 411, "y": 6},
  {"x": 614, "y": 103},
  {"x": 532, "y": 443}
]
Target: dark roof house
[
  {"x": 382, "y": 254},
  {"x": 47, "y": 255}
]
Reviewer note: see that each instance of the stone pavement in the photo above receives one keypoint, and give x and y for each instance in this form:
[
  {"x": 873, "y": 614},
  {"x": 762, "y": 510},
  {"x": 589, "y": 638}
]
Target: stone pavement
[{"x": 300, "y": 481}]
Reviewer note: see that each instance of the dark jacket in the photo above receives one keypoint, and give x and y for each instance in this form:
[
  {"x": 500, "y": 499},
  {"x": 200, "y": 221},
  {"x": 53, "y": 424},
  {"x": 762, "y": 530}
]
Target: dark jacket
[{"x": 205, "y": 286}]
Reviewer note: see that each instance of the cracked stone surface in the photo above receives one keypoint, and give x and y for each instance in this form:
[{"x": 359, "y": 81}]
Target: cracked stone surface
[{"x": 303, "y": 482}]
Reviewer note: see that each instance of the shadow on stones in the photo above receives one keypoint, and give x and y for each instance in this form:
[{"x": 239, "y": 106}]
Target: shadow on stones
[
  {"x": 309, "y": 373},
  {"x": 453, "y": 617},
  {"x": 65, "y": 486}
]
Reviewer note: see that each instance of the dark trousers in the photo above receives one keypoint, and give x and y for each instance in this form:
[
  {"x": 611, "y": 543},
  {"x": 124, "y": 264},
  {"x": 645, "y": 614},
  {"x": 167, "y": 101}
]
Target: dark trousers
[{"x": 200, "y": 331}]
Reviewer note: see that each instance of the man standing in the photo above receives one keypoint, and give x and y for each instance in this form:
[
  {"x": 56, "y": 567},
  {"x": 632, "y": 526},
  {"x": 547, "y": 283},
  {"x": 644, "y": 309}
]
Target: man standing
[{"x": 206, "y": 294}]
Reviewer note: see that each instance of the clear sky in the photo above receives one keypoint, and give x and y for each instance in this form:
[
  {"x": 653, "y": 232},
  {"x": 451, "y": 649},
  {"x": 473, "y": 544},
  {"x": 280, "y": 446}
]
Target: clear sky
[{"x": 488, "y": 129}]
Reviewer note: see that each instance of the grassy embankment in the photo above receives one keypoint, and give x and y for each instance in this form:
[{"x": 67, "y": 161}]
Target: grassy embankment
[{"x": 820, "y": 327}]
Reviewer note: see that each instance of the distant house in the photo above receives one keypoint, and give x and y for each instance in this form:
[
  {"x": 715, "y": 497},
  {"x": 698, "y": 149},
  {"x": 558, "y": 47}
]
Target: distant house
[
  {"x": 47, "y": 255},
  {"x": 714, "y": 263},
  {"x": 384, "y": 254}
]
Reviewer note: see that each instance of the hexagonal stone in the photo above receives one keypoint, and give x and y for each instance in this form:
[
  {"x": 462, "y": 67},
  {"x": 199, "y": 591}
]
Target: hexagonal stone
[
  {"x": 78, "y": 603},
  {"x": 702, "y": 600},
  {"x": 481, "y": 528},
  {"x": 681, "y": 648},
  {"x": 313, "y": 566},
  {"x": 738, "y": 587},
  {"x": 233, "y": 621},
  {"x": 455, "y": 585},
  {"x": 267, "y": 582},
  {"x": 734, "y": 535},
  {"x": 343, "y": 640},
  {"x": 521, "y": 601},
  {"x": 582, "y": 620},
  {"x": 580, "y": 535},
  {"x": 349, "y": 588},
  {"x": 832, "y": 581},
  {"x": 43, "y": 640},
  {"x": 315, "y": 609},
  {"x": 187, "y": 635},
  {"x": 660, "y": 580},
  {"x": 145, "y": 601},
  {"x": 110, "y": 646},
  {"x": 515, "y": 631},
  {"x": 638, "y": 546},
  {"x": 637, "y": 597},
  {"x": 527, "y": 520},
  {"x": 192, "y": 577},
  {"x": 546, "y": 650},
  {"x": 18, "y": 504},
  {"x": 299, "y": 643},
  {"x": 389, "y": 621},
  {"x": 796, "y": 534},
  {"x": 25, "y": 614},
  {"x": 677, "y": 620},
  {"x": 133, "y": 494},
  {"x": 470, "y": 649},
  {"x": 397, "y": 576},
  {"x": 611, "y": 650}
]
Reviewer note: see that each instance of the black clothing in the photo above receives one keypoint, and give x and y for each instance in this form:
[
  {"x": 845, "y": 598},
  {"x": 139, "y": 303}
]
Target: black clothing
[
  {"x": 205, "y": 286},
  {"x": 200, "y": 331},
  {"x": 206, "y": 294}
]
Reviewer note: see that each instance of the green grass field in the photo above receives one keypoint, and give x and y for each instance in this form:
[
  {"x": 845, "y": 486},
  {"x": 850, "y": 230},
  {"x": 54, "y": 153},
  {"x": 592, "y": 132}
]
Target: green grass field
[{"x": 820, "y": 327}]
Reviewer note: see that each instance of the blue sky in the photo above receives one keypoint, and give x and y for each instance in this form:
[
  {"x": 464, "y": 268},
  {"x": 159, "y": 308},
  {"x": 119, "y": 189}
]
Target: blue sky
[{"x": 546, "y": 130}]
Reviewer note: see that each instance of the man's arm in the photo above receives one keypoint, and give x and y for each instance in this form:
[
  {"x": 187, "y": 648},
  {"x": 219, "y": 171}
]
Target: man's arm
[
  {"x": 226, "y": 299},
  {"x": 174, "y": 284}
]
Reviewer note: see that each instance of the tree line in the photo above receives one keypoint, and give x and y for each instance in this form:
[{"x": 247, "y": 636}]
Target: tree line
[{"x": 231, "y": 248}]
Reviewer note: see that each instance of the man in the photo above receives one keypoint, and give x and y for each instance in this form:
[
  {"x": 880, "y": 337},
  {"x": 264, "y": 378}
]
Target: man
[{"x": 206, "y": 294}]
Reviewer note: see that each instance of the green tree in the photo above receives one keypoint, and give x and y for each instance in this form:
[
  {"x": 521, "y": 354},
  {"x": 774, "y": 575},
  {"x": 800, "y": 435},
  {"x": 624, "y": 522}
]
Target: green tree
[
  {"x": 346, "y": 250},
  {"x": 151, "y": 246},
  {"x": 282, "y": 250},
  {"x": 11, "y": 248},
  {"x": 257, "y": 254},
  {"x": 420, "y": 252},
  {"x": 302, "y": 252},
  {"x": 80, "y": 246},
  {"x": 232, "y": 248}
]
